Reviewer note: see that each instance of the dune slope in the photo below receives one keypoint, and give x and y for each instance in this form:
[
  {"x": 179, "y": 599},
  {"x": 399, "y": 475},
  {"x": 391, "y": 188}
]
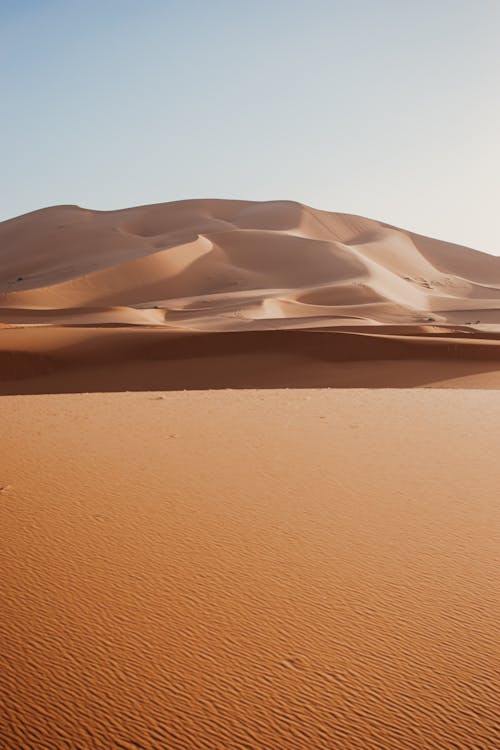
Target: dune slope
[{"x": 122, "y": 280}]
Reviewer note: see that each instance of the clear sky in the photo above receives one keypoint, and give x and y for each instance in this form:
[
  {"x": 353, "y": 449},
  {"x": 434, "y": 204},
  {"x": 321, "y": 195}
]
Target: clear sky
[{"x": 385, "y": 108}]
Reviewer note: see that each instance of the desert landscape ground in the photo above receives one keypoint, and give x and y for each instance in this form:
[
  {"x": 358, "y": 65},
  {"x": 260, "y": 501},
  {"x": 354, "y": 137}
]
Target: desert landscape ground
[
  {"x": 248, "y": 482},
  {"x": 250, "y": 569}
]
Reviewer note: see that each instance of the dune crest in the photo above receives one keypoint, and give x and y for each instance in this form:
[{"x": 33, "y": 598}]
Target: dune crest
[{"x": 214, "y": 267}]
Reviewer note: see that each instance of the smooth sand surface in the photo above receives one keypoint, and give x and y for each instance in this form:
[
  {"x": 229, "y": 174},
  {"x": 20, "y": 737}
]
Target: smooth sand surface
[
  {"x": 250, "y": 569},
  {"x": 241, "y": 294}
]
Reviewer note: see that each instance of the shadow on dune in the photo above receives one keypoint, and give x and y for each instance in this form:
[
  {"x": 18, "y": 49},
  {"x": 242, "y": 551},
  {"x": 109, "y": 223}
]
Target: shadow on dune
[{"x": 113, "y": 360}]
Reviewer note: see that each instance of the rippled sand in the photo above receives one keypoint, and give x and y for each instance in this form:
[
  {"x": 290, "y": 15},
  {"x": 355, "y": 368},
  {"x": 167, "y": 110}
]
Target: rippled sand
[{"x": 279, "y": 569}]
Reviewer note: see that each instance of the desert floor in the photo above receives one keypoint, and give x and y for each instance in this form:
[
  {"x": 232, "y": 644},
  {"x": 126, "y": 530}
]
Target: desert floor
[{"x": 249, "y": 569}]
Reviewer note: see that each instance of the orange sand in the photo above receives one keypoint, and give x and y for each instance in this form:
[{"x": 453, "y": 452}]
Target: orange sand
[{"x": 252, "y": 569}]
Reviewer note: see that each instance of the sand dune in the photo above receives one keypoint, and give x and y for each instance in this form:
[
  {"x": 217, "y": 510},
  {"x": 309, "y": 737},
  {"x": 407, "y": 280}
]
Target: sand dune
[{"x": 211, "y": 267}]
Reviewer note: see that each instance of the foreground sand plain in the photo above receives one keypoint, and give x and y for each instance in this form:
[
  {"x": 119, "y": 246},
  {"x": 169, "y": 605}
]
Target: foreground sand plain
[{"x": 250, "y": 569}]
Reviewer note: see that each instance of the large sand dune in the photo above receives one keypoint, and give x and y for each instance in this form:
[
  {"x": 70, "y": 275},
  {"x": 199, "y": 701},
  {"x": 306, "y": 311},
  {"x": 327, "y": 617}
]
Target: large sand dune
[{"x": 212, "y": 293}]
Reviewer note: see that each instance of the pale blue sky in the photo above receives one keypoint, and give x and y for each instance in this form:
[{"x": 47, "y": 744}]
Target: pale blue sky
[{"x": 388, "y": 108}]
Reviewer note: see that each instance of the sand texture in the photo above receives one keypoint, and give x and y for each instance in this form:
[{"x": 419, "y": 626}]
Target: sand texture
[
  {"x": 221, "y": 293},
  {"x": 250, "y": 569}
]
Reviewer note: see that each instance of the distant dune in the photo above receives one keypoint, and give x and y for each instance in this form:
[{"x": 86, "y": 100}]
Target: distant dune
[{"x": 220, "y": 293}]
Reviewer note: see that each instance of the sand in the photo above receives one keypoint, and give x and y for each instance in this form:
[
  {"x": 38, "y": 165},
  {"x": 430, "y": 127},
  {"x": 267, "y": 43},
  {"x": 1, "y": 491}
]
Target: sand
[
  {"x": 205, "y": 543},
  {"x": 220, "y": 293},
  {"x": 250, "y": 569}
]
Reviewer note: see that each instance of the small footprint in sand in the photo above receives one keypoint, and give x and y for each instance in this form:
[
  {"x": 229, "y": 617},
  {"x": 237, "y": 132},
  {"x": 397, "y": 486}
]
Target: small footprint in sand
[
  {"x": 293, "y": 662},
  {"x": 4, "y": 488}
]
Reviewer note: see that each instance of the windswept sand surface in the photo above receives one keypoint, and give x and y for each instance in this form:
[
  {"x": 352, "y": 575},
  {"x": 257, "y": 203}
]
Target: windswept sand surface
[
  {"x": 260, "y": 570},
  {"x": 218, "y": 293}
]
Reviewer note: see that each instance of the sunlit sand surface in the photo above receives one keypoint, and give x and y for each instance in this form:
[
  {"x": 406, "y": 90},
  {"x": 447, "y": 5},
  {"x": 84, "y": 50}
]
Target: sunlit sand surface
[
  {"x": 289, "y": 569},
  {"x": 240, "y": 294}
]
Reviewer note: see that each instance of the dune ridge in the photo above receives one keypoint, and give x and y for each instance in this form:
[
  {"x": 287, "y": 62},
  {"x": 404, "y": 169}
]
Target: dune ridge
[{"x": 207, "y": 268}]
